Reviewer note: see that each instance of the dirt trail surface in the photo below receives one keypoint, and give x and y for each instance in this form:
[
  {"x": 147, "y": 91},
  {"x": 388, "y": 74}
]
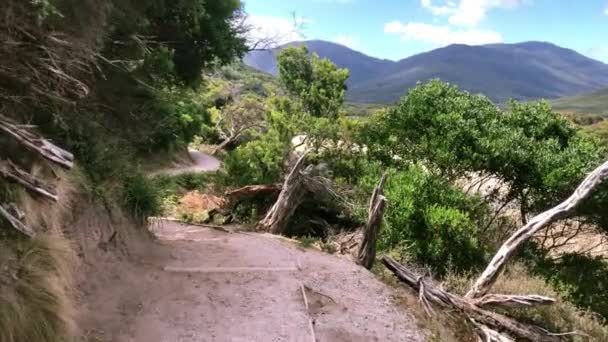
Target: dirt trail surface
[
  {"x": 201, "y": 162},
  {"x": 198, "y": 284}
]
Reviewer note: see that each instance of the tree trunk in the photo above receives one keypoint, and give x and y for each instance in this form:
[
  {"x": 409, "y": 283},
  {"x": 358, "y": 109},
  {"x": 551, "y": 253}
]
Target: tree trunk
[
  {"x": 490, "y": 274},
  {"x": 289, "y": 199},
  {"x": 367, "y": 250}
]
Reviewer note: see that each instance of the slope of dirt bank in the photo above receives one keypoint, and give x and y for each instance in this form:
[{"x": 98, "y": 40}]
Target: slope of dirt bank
[{"x": 196, "y": 284}]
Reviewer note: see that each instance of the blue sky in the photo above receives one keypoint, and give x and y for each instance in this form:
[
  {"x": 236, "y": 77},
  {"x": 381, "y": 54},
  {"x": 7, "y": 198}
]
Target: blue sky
[{"x": 396, "y": 29}]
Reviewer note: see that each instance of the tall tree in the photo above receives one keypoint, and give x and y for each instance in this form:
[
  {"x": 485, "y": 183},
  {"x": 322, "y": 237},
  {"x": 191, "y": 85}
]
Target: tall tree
[{"x": 318, "y": 83}]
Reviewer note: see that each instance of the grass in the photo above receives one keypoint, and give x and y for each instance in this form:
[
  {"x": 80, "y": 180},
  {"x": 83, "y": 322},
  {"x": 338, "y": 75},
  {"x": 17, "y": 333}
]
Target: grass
[
  {"x": 141, "y": 197},
  {"x": 35, "y": 277},
  {"x": 588, "y": 104},
  {"x": 562, "y": 316}
]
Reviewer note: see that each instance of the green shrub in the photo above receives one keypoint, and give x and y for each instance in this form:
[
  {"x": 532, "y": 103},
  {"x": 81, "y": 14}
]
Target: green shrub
[
  {"x": 141, "y": 197},
  {"x": 259, "y": 161},
  {"x": 430, "y": 221},
  {"x": 583, "y": 279}
]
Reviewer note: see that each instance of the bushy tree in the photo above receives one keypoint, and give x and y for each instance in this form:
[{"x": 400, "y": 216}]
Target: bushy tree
[
  {"x": 429, "y": 220},
  {"x": 539, "y": 155},
  {"x": 318, "y": 83}
]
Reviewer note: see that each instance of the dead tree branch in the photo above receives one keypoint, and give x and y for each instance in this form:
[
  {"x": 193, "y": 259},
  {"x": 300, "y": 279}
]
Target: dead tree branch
[
  {"x": 13, "y": 173},
  {"x": 488, "y": 277},
  {"x": 253, "y": 190},
  {"x": 377, "y": 204},
  {"x": 16, "y": 223},
  {"x": 495, "y": 323},
  {"x": 37, "y": 143},
  {"x": 510, "y": 301}
]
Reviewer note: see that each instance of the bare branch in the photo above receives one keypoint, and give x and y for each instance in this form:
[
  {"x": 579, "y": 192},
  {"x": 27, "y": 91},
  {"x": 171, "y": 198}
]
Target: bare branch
[
  {"x": 37, "y": 143},
  {"x": 13, "y": 173},
  {"x": 488, "y": 277},
  {"x": 501, "y": 300},
  {"x": 16, "y": 223}
]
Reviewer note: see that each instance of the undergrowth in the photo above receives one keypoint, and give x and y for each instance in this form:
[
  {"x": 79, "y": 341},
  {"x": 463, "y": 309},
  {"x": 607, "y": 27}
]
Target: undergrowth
[{"x": 562, "y": 316}]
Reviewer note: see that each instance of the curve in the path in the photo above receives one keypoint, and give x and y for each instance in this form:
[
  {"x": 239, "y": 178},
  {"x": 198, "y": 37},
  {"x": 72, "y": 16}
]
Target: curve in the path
[{"x": 201, "y": 162}]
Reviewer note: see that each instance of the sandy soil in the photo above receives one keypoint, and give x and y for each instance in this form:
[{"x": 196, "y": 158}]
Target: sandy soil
[{"x": 196, "y": 284}]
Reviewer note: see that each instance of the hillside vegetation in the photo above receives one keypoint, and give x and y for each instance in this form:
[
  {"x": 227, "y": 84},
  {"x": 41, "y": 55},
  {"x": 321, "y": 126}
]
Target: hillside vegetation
[
  {"x": 437, "y": 145},
  {"x": 127, "y": 84},
  {"x": 95, "y": 87},
  {"x": 523, "y": 71},
  {"x": 593, "y": 104}
]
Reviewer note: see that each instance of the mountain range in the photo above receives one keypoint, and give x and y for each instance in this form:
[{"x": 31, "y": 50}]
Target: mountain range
[{"x": 522, "y": 71}]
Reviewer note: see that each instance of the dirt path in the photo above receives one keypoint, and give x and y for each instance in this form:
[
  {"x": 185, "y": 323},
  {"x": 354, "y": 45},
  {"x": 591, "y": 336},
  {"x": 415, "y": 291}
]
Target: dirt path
[
  {"x": 197, "y": 284},
  {"x": 194, "y": 284},
  {"x": 201, "y": 162}
]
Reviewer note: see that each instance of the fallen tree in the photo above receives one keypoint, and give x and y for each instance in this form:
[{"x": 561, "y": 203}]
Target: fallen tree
[
  {"x": 290, "y": 197},
  {"x": 491, "y": 326}
]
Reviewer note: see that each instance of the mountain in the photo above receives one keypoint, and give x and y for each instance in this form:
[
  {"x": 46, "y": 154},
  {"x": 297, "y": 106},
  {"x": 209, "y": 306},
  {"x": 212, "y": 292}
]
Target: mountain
[
  {"x": 362, "y": 67},
  {"x": 522, "y": 71},
  {"x": 595, "y": 103}
]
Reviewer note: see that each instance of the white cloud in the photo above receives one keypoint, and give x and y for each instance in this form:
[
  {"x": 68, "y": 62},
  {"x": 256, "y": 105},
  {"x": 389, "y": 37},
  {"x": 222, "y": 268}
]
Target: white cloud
[
  {"x": 467, "y": 12},
  {"x": 442, "y": 35},
  {"x": 348, "y": 40},
  {"x": 275, "y": 30}
]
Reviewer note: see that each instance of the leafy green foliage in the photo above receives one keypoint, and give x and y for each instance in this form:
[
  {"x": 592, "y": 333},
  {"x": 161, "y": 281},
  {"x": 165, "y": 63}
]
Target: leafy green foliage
[
  {"x": 537, "y": 152},
  {"x": 583, "y": 279},
  {"x": 198, "y": 33},
  {"x": 141, "y": 197},
  {"x": 318, "y": 83},
  {"x": 430, "y": 221},
  {"x": 259, "y": 161}
]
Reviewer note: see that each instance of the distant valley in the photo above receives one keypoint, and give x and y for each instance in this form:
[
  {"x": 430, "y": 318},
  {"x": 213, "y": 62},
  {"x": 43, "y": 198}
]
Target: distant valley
[{"x": 523, "y": 71}]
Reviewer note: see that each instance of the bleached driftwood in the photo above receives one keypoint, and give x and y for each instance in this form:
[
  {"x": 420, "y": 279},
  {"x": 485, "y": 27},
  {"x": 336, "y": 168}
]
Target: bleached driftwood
[
  {"x": 490, "y": 274},
  {"x": 36, "y": 143},
  {"x": 502, "y": 300},
  {"x": 377, "y": 203},
  {"x": 13, "y": 173},
  {"x": 290, "y": 197}
]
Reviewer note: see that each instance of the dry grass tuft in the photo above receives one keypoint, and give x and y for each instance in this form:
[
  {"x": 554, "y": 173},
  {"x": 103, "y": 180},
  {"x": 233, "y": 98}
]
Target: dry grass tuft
[{"x": 35, "y": 286}]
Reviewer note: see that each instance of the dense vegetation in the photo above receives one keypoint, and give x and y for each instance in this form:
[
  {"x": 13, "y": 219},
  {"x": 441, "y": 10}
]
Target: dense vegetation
[
  {"x": 114, "y": 82},
  {"x": 148, "y": 78},
  {"x": 439, "y": 144}
]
